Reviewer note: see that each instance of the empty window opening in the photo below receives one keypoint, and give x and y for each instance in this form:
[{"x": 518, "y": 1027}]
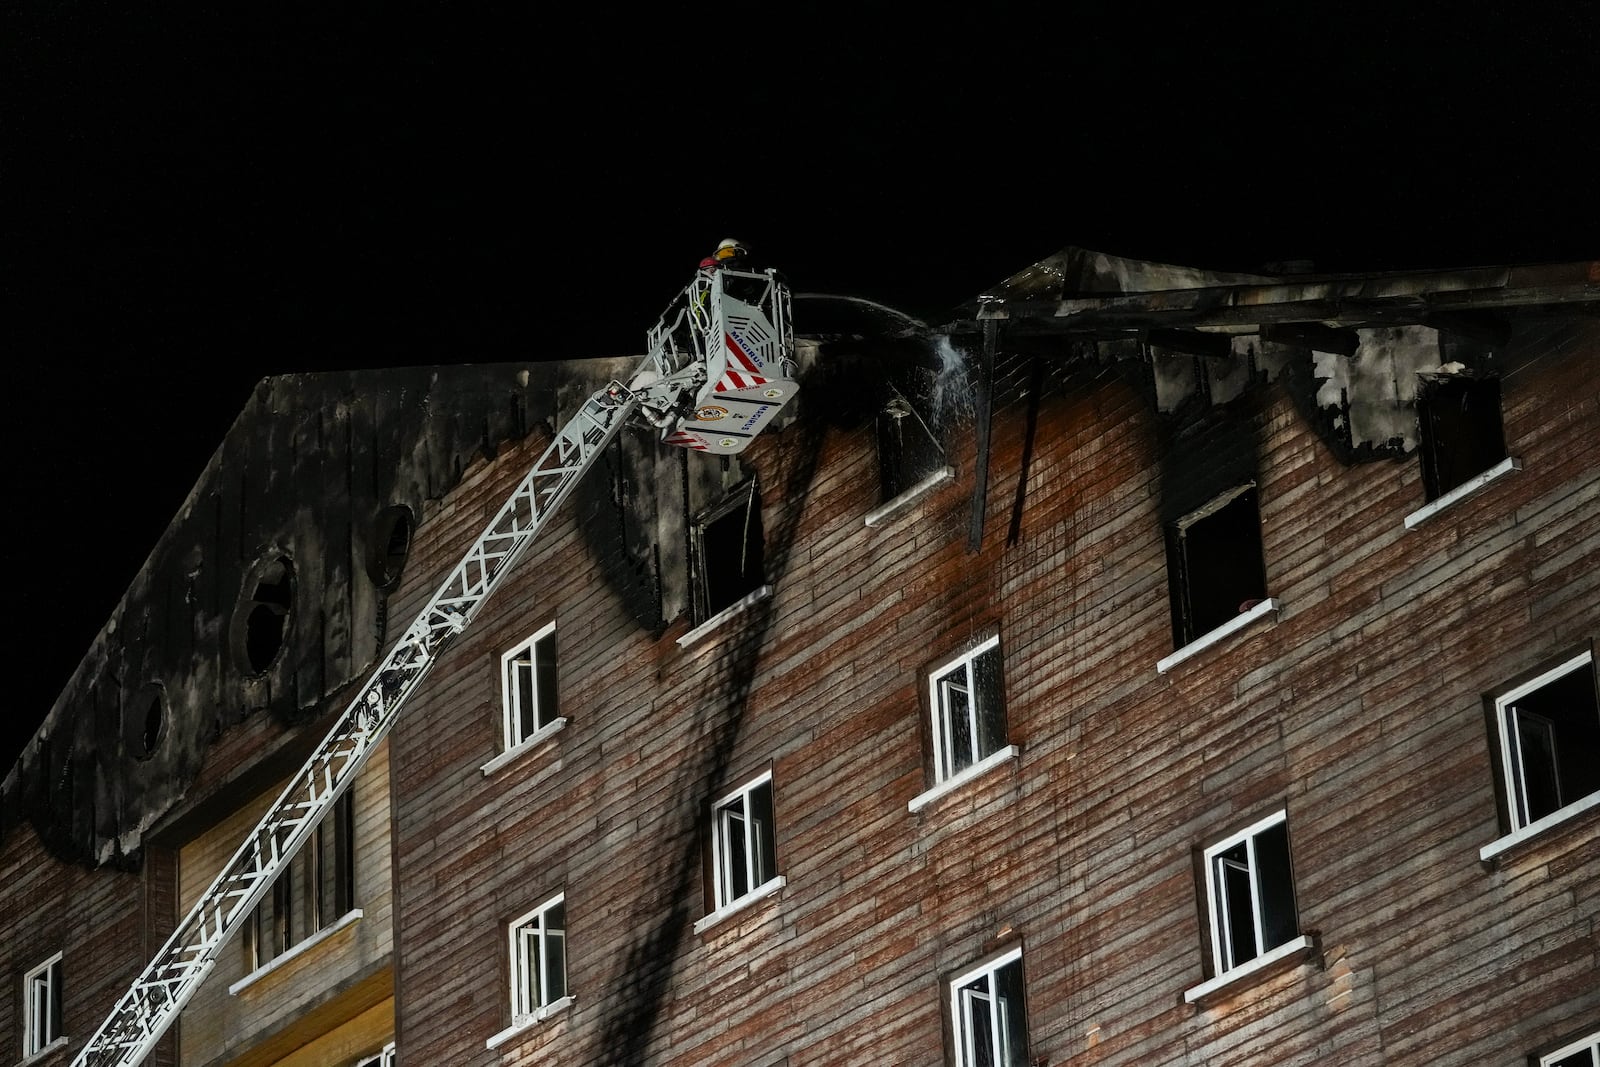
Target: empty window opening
[
  {"x": 1584, "y": 1052},
  {"x": 1460, "y": 428},
  {"x": 312, "y": 892},
  {"x": 1549, "y": 734},
  {"x": 538, "y": 960},
  {"x": 908, "y": 450},
  {"x": 967, "y": 696},
  {"x": 146, "y": 721},
  {"x": 528, "y": 686},
  {"x": 391, "y": 545},
  {"x": 743, "y": 846},
  {"x": 265, "y": 612},
  {"x": 1250, "y": 894},
  {"x": 41, "y": 1006},
  {"x": 729, "y": 561},
  {"x": 1215, "y": 569},
  {"x": 988, "y": 1016}
]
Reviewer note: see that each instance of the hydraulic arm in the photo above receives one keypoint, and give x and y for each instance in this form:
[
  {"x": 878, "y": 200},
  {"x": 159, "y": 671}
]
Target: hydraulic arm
[{"x": 720, "y": 366}]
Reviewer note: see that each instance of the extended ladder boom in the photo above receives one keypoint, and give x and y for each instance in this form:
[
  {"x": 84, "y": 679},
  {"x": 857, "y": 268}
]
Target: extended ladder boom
[{"x": 663, "y": 392}]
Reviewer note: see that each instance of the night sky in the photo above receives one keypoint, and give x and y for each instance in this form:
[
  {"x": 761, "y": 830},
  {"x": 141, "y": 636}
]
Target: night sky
[{"x": 194, "y": 199}]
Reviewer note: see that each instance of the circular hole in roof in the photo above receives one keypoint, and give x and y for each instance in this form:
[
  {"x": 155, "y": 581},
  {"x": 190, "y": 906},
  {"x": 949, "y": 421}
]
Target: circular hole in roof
[
  {"x": 145, "y": 724},
  {"x": 261, "y": 621},
  {"x": 391, "y": 544}
]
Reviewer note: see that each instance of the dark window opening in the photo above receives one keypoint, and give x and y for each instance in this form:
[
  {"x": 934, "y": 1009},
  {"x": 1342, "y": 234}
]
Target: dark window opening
[
  {"x": 1551, "y": 736},
  {"x": 1252, "y": 895},
  {"x": 1461, "y": 431},
  {"x": 728, "y": 553},
  {"x": 146, "y": 723},
  {"x": 266, "y": 615},
  {"x": 391, "y": 545},
  {"x": 314, "y": 890},
  {"x": 1215, "y": 567},
  {"x": 908, "y": 451}
]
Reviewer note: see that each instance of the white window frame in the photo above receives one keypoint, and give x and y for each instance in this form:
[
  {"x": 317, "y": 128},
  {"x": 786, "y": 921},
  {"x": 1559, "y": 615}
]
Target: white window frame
[
  {"x": 1589, "y": 1044},
  {"x": 961, "y": 1011},
  {"x": 1511, "y": 764},
  {"x": 526, "y": 1009},
  {"x": 722, "y": 858},
  {"x": 511, "y": 694},
  {"x": 1217, "y": 904},
  {"x": 384, "y": 1057},
  {"x": 943, "y": 753},
  {"x": 41, "y": 995}
]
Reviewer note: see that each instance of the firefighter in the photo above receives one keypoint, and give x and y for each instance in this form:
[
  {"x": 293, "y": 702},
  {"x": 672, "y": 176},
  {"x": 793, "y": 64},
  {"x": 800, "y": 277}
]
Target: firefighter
[{"x": 730, "y": 253}]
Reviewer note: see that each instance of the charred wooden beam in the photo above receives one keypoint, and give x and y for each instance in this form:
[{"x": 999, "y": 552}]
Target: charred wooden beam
[
  {"x": 1313, "y": 335},
  {"x": 1192, "y": 342},
  {"x": 1486, "y": 327}
]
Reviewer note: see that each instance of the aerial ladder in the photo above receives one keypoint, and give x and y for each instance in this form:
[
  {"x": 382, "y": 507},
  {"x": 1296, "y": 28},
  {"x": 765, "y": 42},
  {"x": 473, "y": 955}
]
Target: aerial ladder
[{"x": 720, "y": 366}]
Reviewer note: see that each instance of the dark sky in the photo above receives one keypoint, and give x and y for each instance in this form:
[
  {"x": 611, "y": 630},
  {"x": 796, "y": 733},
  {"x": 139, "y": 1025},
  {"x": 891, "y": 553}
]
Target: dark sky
[{"x": 194, "y": 199}]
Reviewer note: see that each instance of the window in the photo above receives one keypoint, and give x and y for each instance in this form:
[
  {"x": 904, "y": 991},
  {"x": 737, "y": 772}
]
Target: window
[
  {"x": 1215, "y": 570},
  {"x": 1584, "y": 1052},
  {"x": 1549, "y": 733},
  {"x": 384, "y": 1058},
  {"x": 313, "y": 891},
  {"x": 528, "y": 686},
  {"x": 968, "y": 702},
  {"x": 908, "y": 451},
  {"x": 988, "y": 1016},
  {"x": 728, "y": 552},
  {"x": 538, "y": 960},
  {"x": 743, "y": 852},
  {"x": 1250, "y": 894},
  {"x": 41, "y": 1006},
  {"x": 261, "y": 619},
  {"x": 1461, "y": 431}
]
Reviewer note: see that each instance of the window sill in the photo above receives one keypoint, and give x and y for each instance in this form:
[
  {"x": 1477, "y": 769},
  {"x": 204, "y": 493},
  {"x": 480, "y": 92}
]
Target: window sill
[
  {"x": 760, "y": 892},
  {"x": 1538, "y": 827},
  {"x": 1470, "y": 487},
  {"x": 54, "y": 1046},
  {"x": 738, "y": 607},
  {"x": 1269, "y": 606},
  {"x": 886, "y": 511},
  {"x": 344, "y": 921},
  {"x": 956, "y": 781},
  {"x": 1283, "y": 957},
  {"x": 529, "y": 1022},
  {"x": 529, "y": 743}
]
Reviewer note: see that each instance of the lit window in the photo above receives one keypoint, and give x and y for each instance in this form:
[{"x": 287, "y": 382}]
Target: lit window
[
  {"x": 1461, "y": 431},
  {"x": 988, "y": 1016},
  {"x": 41, "y": 1006},
  {"x": 744, "y": 855},
  {"x": 729, "y": 563},
  {"x": 1549, "y": 734},
  {"x": 313, "y": 891},
  {"x": 528, "y": 686},
  {"x": 968, "y": 702},
  {"x": 538, "y": 960},
  {"x": 1250, "y": 894},
  {"x": 1215, "y": 570},
  {"x": 1584, "y": 1052}
]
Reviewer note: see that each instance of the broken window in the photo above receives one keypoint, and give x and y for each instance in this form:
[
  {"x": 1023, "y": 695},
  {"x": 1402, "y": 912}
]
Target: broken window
[
  {"x": 729, "y": 563},
  {"x": 1584, "y": 1052},
  {"x": 314, "y": 890},
  {"x": 41, "y": 1006},
  {"x": 144, "y": 722},
  {"x": 1215, "y": 569},
  {"x": 538, "y": 960},
  {"x": 968, "y": 701},
  {"x": 988, "y": 1016},
  {"x": 1461, "y": 431},
  {"x": 528, "y": 686},
  {"x": 262, "y": 618},
  {"x": 908, "y": 451},
  {"x": 743, "y": 843},
  {"x": 1250, "y": 894},
  {"x": 1549, "y": 735},
  {"x": 391, "y": 545}
]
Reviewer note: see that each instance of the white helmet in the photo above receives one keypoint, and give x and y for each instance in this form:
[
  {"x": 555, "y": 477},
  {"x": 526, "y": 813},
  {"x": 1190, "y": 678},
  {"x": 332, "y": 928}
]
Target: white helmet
[{"x": 730, "y": 248}]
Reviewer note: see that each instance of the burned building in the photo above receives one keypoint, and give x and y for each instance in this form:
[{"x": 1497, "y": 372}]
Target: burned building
[{"x": 1145, "y": 665}]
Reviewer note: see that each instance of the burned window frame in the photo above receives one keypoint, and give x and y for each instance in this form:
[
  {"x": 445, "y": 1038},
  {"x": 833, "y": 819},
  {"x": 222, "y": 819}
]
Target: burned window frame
[
  {"x": 985, "y": 710},
  {"x": 1510, "y": 758},
  {"x": 1451, "y": 456},
  {"x": 42, "y": 1022},
  {"x": 1185, "y": 567},
  {"x": 743, "y": 501},
  {"x": 261, "y": 605},
  {"x": 540, "y": 655},
  {"x": 315, "y": 890},
  {"x": 1225, "y": 958},
  {"x": 1003, "y": 1050},
  {"x": 903, "y": 465},
  {"x": 759, "y": 865},
  {"x": 531, "y": 996}
]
